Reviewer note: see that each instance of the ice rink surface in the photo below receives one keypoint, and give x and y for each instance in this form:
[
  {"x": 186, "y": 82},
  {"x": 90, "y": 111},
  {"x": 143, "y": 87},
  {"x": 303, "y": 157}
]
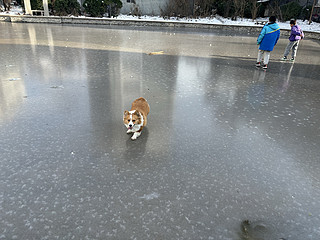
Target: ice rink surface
[{"x": 230, "y": 151}]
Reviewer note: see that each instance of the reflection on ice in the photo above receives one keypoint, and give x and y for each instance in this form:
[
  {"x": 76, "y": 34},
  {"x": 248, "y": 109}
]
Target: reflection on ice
[{"x": 256, "y": 90}]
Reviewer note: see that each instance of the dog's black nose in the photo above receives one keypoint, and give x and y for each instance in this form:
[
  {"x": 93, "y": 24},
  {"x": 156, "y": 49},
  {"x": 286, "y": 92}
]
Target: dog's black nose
[{"x": 130, "y": 125}]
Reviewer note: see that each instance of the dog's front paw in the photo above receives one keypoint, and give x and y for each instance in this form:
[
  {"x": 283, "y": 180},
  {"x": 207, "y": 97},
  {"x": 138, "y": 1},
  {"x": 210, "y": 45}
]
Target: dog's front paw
[
  {"x": 135, "y": 135},
  {"x": 129, "y": 131}
]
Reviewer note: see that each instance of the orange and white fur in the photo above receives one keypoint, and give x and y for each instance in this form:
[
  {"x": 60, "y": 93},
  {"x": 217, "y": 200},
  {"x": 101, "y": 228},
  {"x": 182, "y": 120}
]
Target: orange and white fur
[{"x": 136, "y": 119}]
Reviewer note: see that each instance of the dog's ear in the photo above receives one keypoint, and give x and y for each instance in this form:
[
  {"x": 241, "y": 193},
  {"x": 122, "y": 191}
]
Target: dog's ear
[
  {"x": 137, "y": 113},
  {"x": 126, "y": 113}
]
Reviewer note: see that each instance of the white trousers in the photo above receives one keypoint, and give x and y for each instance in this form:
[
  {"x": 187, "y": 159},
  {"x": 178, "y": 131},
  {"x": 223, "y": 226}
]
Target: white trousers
[
  {"x": 265, "y": 55},
  {"x": 291, "y": 46}
]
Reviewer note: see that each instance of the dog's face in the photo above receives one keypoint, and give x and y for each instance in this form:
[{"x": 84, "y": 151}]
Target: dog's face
[{"x": 131, "y": 119}]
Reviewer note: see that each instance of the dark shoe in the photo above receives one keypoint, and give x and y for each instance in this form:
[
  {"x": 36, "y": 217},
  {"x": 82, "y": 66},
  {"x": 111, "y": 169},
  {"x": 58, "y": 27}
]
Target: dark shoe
[
  {"x": 258, "y": 64},
  {"x": 284, "y": 58},
  {"x": 292, "y": 59},
  {"x": 265, "y": 66}
]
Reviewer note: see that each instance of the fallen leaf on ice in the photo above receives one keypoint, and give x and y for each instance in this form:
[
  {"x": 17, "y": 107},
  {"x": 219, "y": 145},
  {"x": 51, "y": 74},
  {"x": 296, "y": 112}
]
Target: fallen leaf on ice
[{"x": 156, "y": 53}]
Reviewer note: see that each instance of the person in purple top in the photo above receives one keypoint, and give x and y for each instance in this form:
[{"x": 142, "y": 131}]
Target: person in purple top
[{"x": 294, "y": 39}]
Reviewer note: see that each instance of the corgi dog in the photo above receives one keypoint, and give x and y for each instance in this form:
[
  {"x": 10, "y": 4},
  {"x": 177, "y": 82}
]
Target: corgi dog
[{"x": 136, "y": 118}]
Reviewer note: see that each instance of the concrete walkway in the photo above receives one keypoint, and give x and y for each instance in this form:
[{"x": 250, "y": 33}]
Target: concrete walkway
[{"x": 140, "y": 23}]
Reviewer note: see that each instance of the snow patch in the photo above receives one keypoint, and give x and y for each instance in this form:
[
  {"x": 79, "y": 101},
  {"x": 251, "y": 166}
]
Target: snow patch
[{"x": 150, "y": 196}]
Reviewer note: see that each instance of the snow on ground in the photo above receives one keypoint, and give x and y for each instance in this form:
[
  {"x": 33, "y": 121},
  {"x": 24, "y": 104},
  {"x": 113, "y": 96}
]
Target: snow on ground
[{"x": 313, "y": 27}]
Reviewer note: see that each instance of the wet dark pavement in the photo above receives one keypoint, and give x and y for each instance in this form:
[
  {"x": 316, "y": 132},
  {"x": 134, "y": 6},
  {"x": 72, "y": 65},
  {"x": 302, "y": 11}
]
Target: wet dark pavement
[{"x": 230, "y": 151}]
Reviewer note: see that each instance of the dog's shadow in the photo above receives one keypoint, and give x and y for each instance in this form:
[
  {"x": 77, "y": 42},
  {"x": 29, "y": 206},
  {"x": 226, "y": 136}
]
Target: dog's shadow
[{"x": 135, "y": 149}]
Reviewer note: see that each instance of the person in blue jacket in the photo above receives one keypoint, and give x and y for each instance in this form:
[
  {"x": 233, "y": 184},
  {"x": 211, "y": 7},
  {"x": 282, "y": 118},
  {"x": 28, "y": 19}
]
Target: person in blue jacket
[{"x": 267, "y": 39}]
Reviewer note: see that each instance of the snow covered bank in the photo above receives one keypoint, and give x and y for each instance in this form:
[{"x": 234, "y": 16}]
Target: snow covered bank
[{"x": 313, "y": 27}]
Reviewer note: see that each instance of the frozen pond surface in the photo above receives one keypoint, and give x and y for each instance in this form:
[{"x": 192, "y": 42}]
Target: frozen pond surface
[{"x": 230, "y": 151}]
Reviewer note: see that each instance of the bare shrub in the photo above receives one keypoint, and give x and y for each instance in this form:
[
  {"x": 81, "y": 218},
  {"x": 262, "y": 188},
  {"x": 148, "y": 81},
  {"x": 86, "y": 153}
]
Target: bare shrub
[
  {"x": 177, "y": 8},
  {"x": 135, "y": 10}
]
